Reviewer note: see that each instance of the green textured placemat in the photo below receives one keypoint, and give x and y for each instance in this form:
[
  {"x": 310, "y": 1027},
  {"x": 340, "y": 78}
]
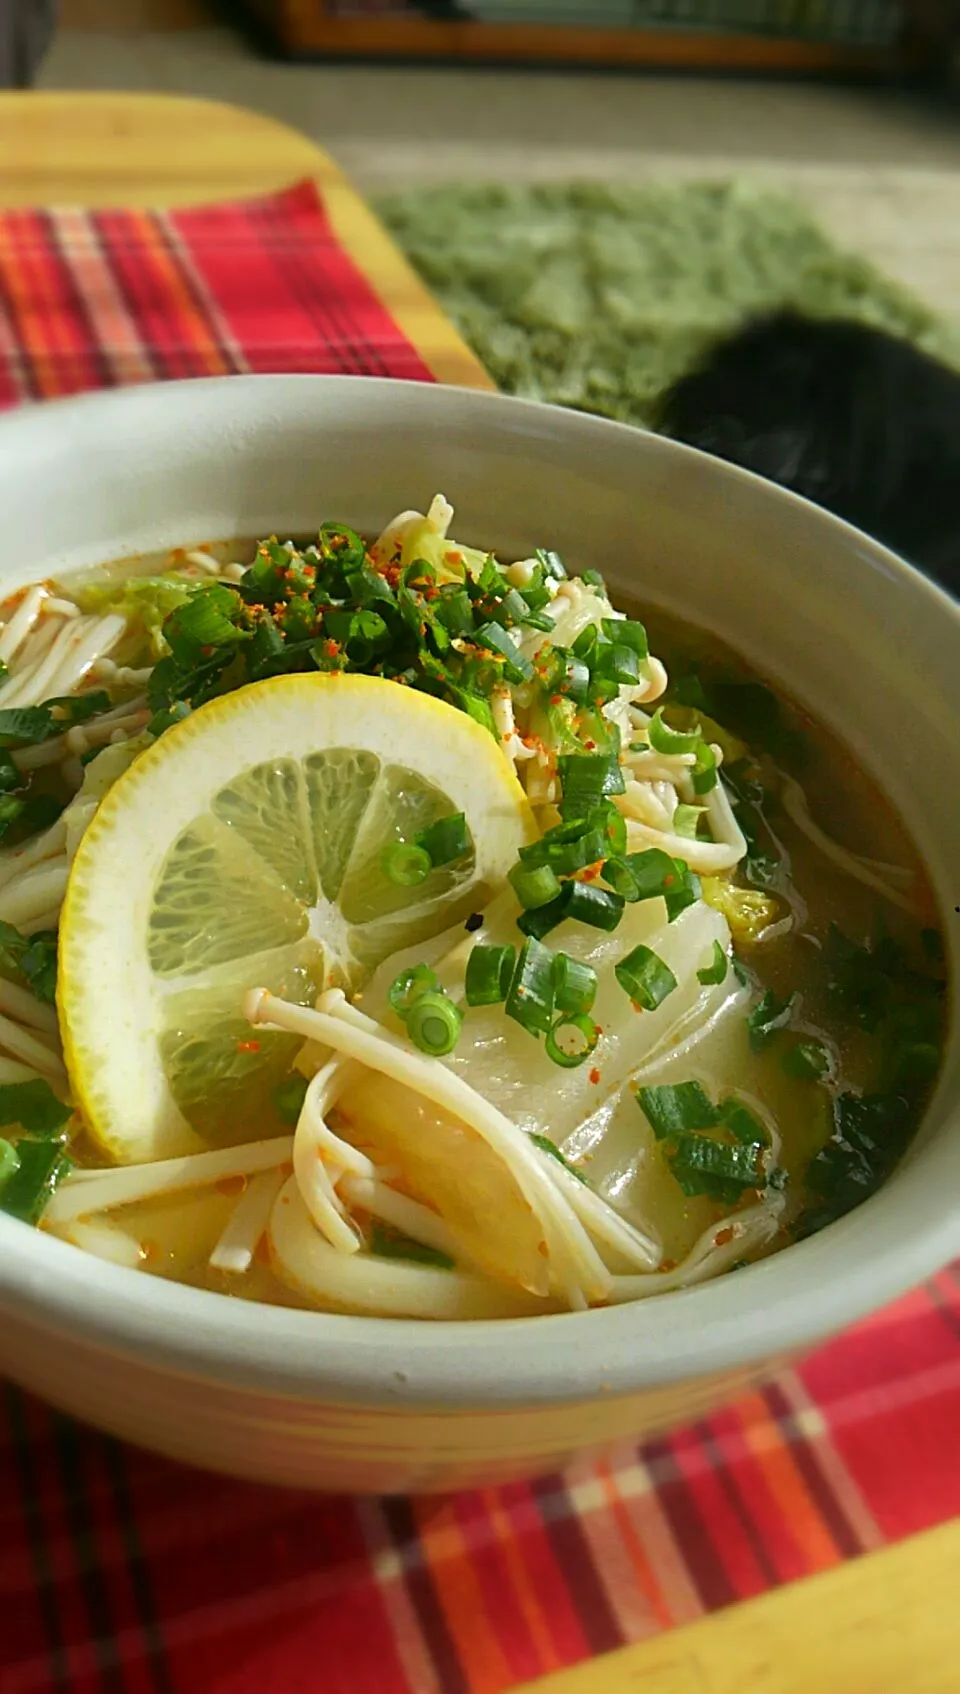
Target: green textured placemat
[{"x": 599, "y": 297}]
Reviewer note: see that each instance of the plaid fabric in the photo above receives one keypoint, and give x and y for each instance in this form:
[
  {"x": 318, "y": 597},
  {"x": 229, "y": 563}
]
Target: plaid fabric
[{"x": 124, "y": 1574}]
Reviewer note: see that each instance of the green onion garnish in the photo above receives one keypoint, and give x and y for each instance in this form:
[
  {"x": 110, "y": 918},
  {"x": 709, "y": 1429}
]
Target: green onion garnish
[
  {"x": 405, "y": 864},
  {"x": 702, "y": 1165},
  {"x": 433, "y": 1023},
  {"x": 534, "y": 885},
  {"x": 595, "y": 580},
  {"x": 41, "y": 1166},
  {"x": 552, "y": 563},
  {"x": 489, "y": 975},
  {"x": 663, "y": 739},
  {"x": 408, "y": 987},
  {"x": 574, "y": 984},
  {"x": 445, "y": 840},
  {"x": 530, "y": 998},
  {"x": 385, "y": 1242},
  {"x": 809, "y": 1060},
  {"x": 585, "y": 645},
  {"x": 628, "y": 633},
  {"x": 645, "y": 977},
  {"x": 674, "y": 1108},
  {"x": 705, "y": 769},
  {"x": 35, "y": 1107},
  {"x": 742, "y": 1124},
  {"x": 553, "y": 1152},
  {"x": 582, "y": 901},
  {"x": 620, "y": 663},
  {"x": 571, "y": 1041},
  {"x": 288, "y": 1097},
  {"x": 493, "y": 639},
  {"x": 618, "y": 874},
  {"x": 717, "y": 969},
  {"x": 644, "y": 876},
  {"x": 586, "y": 779},
  {"x": 568, "y": 848}
]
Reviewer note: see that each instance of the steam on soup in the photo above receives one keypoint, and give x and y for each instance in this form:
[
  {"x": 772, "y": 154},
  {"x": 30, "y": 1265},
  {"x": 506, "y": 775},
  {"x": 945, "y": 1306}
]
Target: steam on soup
[{"x": 468, "y": 948}]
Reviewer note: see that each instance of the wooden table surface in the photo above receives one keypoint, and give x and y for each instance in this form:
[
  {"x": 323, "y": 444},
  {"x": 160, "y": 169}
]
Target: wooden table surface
[{"x": 882, "y": 1623}]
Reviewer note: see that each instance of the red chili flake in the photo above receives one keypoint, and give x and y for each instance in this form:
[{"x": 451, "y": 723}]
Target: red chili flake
[
  {"x": 668, "y": 881},
  {"x": 722, "y": 1237},
  {"x": 594, "y": 1076},
  {"x": 331, "y": 648},
  {"x": 636, "y": 1005},
  {"x": 205, "y": 652},
  {"x": 590, "y": 873},
  {"x": 248, "y": 1046},
  {"x": 668, "y": 1264},
  {"x": 453, "y": 558},
  {"x": 556, "y": 699},
  {"x": 591, "y": 746}
]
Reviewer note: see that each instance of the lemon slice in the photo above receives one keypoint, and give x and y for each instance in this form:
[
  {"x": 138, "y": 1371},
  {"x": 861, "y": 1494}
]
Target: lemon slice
[{"x": 246, "y": 848}]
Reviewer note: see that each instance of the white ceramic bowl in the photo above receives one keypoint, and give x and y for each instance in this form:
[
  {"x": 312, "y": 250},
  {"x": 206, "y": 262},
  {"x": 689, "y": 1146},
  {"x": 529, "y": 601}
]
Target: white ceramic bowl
[{"x": 381, "y": 1405}]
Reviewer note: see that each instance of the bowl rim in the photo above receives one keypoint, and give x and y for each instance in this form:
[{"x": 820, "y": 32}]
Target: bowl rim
[{"x": 798, "y": 1297}]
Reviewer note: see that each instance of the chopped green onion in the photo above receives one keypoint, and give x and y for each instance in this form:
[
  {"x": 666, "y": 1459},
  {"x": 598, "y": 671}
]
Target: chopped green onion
[
  {"x": 35, "y": 1107},
  {"x": 807, "y": 1061},
  {"x": 645, "y": 978},
  {"x": 586, "y": 1034},
  {"x": 663, "y": 739},
  {"x": 38, "y": 965},
  {"x": 594, "y": 580},
  {"x": 742, "y": 1124},
  {"x": 207, "y": 619},
  {"x": 433, "y": 1023},
  {"x": 489, "y": 974},
  {"x": 552, "y": 563},
  {"x": 565, "y": 850},
  {"x": 585, "y": 644},
  {"x": 530, "y": 999},
  {"x": 586, "y": 779},
  {"x": 716, "y": 970},
  {"x": 705, "y": 769},
  {"x": 619, "y": 663},
  {"x": 25, "y": 726},
  {"x": 685, "y": 821},
  {"x": 580, "y": 901},
  {"x": 445, "y": 840},
  {"x": 496, "y": 640},
  {"x": 618, "y": 874},
  {"x": 712, "y": 1168},
  {"x": 164, "y": 719},
  {"x": 288, "y": 1097},
  {"x": 534, "y": 885},
  {"x": 10, "y": 809},
  {"x": 386, "y": 1242},
  {"x": 405, "y": 864},
  {"x": 574, "y": 984},
  {"x": 653, "y": 873},
  {"x": 768, "y": 1015},
  {"x": 615, "y": 828},
  {"x": 672, "y": 1109},
  {"x": 408, "y": 987},
  {"x": 628, "y": 633},
  {"x": 575, "y": 679}
]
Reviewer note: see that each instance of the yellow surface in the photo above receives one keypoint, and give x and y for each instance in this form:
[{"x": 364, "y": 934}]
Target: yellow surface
[
  {"x": 157, "y": 150},
  {"x": 890, "y": 1621},
  {"x": 878, "y": 1624}
]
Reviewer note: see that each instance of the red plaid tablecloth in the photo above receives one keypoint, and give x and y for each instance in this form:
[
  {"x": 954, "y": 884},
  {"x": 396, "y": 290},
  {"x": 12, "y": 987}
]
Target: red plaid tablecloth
[{"x": 124, "y": 1574}]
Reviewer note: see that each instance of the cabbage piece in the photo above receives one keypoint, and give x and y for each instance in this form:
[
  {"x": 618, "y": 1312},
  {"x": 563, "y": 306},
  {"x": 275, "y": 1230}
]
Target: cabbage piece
[
  {"x": 748, "y": 911},
  {"x": 144, "y": 601},
  {"x": 511, "y": 1069}
]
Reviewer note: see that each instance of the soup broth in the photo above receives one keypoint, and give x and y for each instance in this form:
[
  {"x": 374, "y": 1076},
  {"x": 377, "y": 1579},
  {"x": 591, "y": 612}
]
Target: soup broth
[{"x": 783, "y": 1095}]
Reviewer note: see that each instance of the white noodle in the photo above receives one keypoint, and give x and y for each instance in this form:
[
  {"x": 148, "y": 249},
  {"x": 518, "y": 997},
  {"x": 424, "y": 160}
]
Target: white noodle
[
  {"x": 83, "y": 649},
  {"x": 32, "y": 1047},
  {"x": 203, "y": 562},
  {"x": 32, "y": 657},
  {"x": 873, "y": 873},
  {"x": 748, "y": 1230},
  {"x": 575, "y": 1262},
  {"x": 37, "y": 890},
  {"x": 314, "y": 1145},
  {"x": 26, "y": 1008},
  {"x": 85, "y": 1192},
  {"x": 105, "y": 1240},
  {"x": 383, "y": 1287},
  {"x": 605, "y": 1225},
  {"x": 414, "y": 1219},
  {"x": 708, "y": 857},
  {"x": 11, "y": 1071},
  {"x": 46, "y": 846},
  {"x": 641, "y": 802},
  {"x": 237, "y": 1245},
  {"x": 722, "y": 820},
  {"x": 61, "y": 608},
  {"x": 16, "y": 631}
]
